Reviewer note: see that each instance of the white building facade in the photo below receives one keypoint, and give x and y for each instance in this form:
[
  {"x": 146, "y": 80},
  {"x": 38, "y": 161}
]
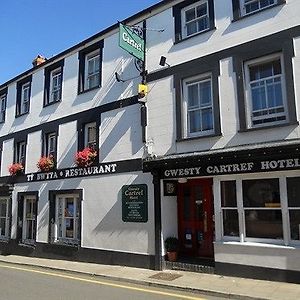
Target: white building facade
[{"x": 214, "y": 162}]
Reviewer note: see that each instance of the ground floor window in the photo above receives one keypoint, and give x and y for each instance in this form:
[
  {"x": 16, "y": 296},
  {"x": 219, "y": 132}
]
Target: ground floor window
[
  {"x": 260, "y": 209},
  {"x": 29, "y": 219},
  {"x": 4, "y": 217},
  {"x": 65, "y": 221}
]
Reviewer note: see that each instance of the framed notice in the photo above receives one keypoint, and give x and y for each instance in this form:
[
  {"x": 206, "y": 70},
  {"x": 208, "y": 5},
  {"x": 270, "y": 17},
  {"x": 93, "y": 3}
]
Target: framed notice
[
  {"x": 135, "y": 203},
  {"x": 170, "y": 188}
]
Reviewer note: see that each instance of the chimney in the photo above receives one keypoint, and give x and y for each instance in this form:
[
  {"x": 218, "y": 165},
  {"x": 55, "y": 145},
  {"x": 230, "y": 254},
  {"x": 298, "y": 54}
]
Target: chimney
[{"x": 38, "y": 60}]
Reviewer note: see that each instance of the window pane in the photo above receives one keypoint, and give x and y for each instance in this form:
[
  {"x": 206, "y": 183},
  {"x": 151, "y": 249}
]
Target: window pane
[
  {"x": 274, "y": 95},
  {"x": 3, "y": 204},
  {"x": 228, "y": 194},
  {"x": 207, "y": 119},
  {"x": 2, "y": 226},
  {"x": 258, "y": 98},
  {"x": 69, "y": 209},
  {"x": 194, "y": 120},
  {"x": 264, "y": 224},
  {"x": 295, "y": 223},
  {"x": 293, "y": 191},
  {"x": 261, "y": 193},
  {"x": 190, "y": 15},
  {"x": 230, "y": 222},
  {"x": 203, "y": 24},
  {"x": 193, "y": 96},
  {"x": 205, "y": 93},
  {"x": 201, "y": 10},
  {"x": 191, "y": 28}
]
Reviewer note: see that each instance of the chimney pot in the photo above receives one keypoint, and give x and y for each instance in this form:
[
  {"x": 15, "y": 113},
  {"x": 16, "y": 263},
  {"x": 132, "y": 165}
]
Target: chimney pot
[{"x": 38, "y": 60}]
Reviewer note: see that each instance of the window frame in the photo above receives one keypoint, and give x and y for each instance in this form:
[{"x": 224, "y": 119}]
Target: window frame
[
  {"x": 32, "y": 219},
  {"x": 282, "y": 178},
  {"x": 21, "y": 85},
  {"x": 53, "y": 237},
  {"x": 3, "y": 101},
  {"x": 243, "y": 7},
  {"x": 248, "y": 96},
  {"x": 185, "y": 83},
  {"x": 87, "y": 143},
  {"x": 92, "y": 56},
  {"x": 19, "y": 158},
  {"x": 184, "y": 22},
  {"x": 48, "y": 83},
  {"x": 7, "y": 218},
  {"x": 179, "y": 18},
  {"x": 82, "y": 72},
  {"x": 54, "y": 74}
]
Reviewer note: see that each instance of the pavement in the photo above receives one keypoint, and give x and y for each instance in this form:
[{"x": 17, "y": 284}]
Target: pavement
[{"x": 209, "y": 284}]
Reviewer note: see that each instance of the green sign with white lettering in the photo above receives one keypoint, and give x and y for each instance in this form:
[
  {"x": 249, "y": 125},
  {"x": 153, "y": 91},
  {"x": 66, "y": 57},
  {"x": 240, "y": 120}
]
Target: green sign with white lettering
[
  {"x": 135, "y": 203},
  {"x": 131, "y": 42}
]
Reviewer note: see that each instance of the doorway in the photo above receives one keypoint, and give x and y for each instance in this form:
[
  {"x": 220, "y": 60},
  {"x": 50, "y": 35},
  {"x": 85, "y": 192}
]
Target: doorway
[{"x": 195, "y": 218}]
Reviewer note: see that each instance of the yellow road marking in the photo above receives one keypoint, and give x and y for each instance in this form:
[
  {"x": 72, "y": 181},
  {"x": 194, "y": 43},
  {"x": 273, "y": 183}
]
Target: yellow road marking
[{"x": 104, "y": 283}]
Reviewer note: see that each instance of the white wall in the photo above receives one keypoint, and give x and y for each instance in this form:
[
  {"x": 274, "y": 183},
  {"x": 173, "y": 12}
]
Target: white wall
[
  {"x": 7, "y": 156},
  {"x": 102, "y": 225}
]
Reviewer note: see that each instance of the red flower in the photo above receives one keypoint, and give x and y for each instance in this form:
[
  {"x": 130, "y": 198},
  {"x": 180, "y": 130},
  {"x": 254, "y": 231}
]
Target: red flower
[
  {"x": 86, "y": 157},
  {"x": 46, "y": 163},
  {"x": 15, "y": 169}
]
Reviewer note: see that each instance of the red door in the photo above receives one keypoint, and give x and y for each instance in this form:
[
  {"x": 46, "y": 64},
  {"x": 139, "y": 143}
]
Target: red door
[{"x": 195, "y": 218}]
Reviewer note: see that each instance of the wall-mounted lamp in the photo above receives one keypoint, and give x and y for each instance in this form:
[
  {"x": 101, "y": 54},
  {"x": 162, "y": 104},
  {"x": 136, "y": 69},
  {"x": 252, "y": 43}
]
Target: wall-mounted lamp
[
  {"x": 182, "y": 180},
  {"x": 163, "y": 61}
]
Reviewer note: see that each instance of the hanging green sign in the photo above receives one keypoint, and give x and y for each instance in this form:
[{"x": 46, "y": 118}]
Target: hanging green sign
[
  {"x": 131, "y": 42},
  {"x": 135, "y": 203}
]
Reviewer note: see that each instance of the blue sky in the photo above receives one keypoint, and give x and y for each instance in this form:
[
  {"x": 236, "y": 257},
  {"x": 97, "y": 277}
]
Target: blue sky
[{"x": 47, "y": 27}]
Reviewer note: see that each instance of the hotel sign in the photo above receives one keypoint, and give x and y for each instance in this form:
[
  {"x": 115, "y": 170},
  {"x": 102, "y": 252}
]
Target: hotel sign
[
  {"x": 234, "y": 168},
  {"x": 131, "y": 42},
  {"x": 135, "y": 203}
]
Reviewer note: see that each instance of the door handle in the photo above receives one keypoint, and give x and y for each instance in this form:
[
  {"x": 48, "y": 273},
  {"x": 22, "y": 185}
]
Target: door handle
[{"x": 205, "y": 222}]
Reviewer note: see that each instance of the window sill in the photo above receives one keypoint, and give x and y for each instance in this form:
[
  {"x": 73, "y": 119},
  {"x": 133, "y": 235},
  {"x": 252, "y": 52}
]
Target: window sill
[
  {"x": 295, "y": 123},
  {"x": 89, "y": 90},
  {"x": 199, "y": 137},
  {"x": 258, "y": 244},
  {"x": 194, "y": 35},
  {"x": 257, "y": 11},
  {"x": 23, "y": 114},
  {"x": 51, "y": 103}
]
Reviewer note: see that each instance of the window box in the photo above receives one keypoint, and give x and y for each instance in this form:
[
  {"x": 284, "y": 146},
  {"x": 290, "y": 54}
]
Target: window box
[
  {"x": 86, "y": 157},
  {"x": 46, "y": 163},
  {"x": 16, "y": 169}
]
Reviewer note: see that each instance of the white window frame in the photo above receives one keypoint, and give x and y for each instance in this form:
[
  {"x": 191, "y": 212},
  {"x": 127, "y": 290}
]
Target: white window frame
[
  {"x": 186, "y": 82},
  {"x": 21, "y": 149},
  {"x": 282, "y": 177},
  {"x": 243, "y": 6},
  {"x": 62, "y": 238},
  {"x": 7, "y": 221},
  {"x": 32, "y": 218},
  {"x": 2, "y": 107},
  {"x": 88, "y": 57},
  {"x": 25, "y": 98},
  {"x": 55, "y": 89},
  {"x": 49, "y": 138},
  {"x": 88, "y": 143},
  {"x": 184, "y": 22},
  {"x": 248, "y": 96}
]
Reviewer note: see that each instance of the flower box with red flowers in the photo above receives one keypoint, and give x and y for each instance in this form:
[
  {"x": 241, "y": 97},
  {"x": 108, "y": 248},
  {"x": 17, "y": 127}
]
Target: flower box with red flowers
[
  {"x": 86, "y": 157},
  {"x": 16, "y": 169},
  {"x": 46, "y": 163}
]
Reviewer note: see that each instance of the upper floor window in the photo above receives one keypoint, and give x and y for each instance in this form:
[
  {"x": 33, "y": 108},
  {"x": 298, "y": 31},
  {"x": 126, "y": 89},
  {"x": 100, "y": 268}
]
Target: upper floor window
[
  {"x": 198, "y": 106},
  {"x": 3, "y": 97},
  {"x": 53, "y": 83},
  {"x": 246, "y": 7},
  {"x": 50, "y": 144},
  {"x": 265, "y": 91},
  {"x": 92, "y": 67},
  {"x": 20, "y": 153},
  {"x": 193, "y": 17},
  {"x": 23, "y": 96},
  {"x": 90, "y": 135},
  {"x": 90, "y": 61},
  {"x": 249, "y": 6}
]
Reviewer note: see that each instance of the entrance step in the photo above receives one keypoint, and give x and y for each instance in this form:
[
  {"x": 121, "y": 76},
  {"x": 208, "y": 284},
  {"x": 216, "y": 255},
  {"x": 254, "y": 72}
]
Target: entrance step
[{"x": 191, "y": 267}]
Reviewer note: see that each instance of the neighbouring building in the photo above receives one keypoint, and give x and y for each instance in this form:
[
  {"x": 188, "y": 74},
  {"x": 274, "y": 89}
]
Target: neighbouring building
[{"x": 210, "y": 155}]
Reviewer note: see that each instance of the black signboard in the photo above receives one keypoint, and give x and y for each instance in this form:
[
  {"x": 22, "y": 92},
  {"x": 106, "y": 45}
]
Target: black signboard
[{"x": 135, "y": 203}]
